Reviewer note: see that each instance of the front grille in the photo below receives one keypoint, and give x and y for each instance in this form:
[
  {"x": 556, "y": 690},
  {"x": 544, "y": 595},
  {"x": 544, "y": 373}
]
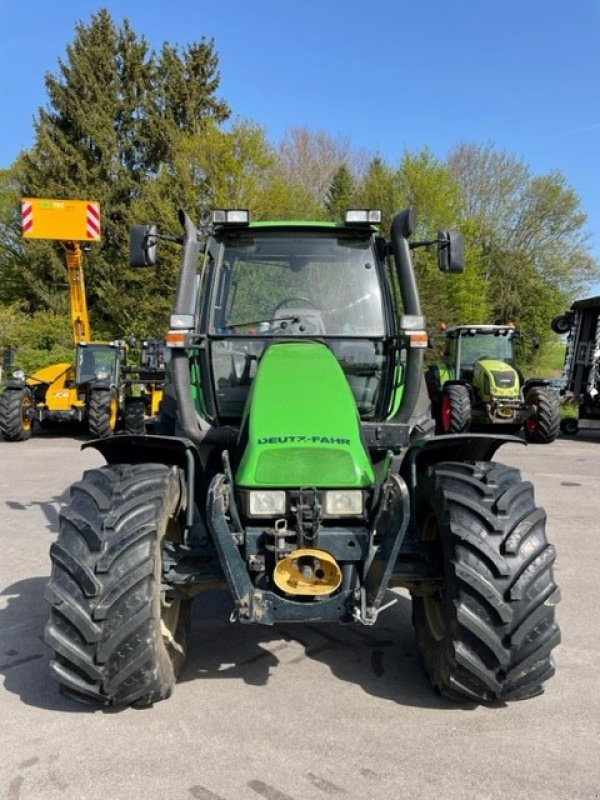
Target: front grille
[
  {"x": 298, "y": 465},
  {"x": 505, "y": 378}
]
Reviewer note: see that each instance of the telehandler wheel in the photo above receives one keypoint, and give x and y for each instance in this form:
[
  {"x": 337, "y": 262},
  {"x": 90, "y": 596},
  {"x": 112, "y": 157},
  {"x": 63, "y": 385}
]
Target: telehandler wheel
[
  {"x": 486, "y": 634},
  {"x": 118, "y": 637},
  {"x": 570, "y": 426},
  {"x": 103, "y": 413},
  {"x": 543, "y": 427},
  {"x": 134, "y": 418},
  {"x": 455, "y": 409},
  {"x": 14, "y": 424}
]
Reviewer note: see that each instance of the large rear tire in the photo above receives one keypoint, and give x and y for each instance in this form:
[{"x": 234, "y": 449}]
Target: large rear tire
[
  {"x": 103, "y": 413},
  {"x": 455, "y": 409},
  {"x": 486, "y": 634},
  {"x": 544, "y": 426},
  {"x": 15, "y": 425},
  {"x": 118, "y": 637}
]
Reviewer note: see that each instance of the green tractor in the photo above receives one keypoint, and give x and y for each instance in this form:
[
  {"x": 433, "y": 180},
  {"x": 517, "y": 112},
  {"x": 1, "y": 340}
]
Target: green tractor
[
  {"x": 478, "y": 387},
  {"x": 296, "y": 466}
]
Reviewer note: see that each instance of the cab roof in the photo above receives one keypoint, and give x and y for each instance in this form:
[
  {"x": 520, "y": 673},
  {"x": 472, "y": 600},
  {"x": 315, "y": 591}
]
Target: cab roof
[{"x": 456, "y": 329}]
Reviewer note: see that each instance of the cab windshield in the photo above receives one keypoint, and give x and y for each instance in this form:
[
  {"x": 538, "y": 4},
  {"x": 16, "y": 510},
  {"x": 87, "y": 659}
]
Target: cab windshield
[
  {"x": 315, "y": 284},
  {"x": 323, "y": 285},
  {"x": 495, "y": 345},
  {"x": 94, "y": 358}
]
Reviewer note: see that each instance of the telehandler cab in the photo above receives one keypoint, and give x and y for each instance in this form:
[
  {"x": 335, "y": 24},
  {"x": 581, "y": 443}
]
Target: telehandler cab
[{"x": 299, "y": 470}]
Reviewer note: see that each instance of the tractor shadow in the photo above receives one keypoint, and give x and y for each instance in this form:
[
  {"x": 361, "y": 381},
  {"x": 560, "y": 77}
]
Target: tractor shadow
[
  {"x": 50, "y": 508},
  {"x": 24, "y": 658},
  {"x": 382, "y": 659}
]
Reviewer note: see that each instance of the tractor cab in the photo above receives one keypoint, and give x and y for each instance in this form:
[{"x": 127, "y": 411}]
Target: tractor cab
[
  {"x": 465, "y": 345},
  {"x": 286, "y": 283}
]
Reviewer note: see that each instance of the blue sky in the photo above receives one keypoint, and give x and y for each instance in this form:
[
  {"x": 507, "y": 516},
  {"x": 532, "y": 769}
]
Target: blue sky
[{"x": 523, "y": 75}]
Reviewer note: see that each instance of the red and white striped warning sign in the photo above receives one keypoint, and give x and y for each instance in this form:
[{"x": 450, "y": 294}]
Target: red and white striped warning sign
[
  {"x": 93, "y": 220},
  {"x": 26, "y": 216},
  {"x": 64, "y": 220}
]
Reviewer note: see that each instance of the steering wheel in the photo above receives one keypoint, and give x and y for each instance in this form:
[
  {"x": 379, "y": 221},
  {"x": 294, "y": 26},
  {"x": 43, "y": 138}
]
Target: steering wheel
[{"x": 306, "y": 301}]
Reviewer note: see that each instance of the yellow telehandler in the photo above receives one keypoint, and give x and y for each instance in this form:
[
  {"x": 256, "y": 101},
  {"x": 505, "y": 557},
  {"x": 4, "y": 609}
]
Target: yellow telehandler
[{"x": 86, "y": 391}]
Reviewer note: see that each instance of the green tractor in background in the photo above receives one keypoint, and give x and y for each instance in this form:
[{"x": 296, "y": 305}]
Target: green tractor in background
[
  {"x": 478, "y": 386},
  {"x": 296, "y": 467}
]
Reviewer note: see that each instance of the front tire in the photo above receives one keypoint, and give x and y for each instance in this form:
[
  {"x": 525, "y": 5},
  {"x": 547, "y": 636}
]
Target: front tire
[
  {"x": 118, "y": 637},
  {"x": 543, "y": 427},
  {"x": 103, "y": 413},
  {"x": 486, "y": 634},
  {"x": 134, "y": 418},
  {"x": 15, "y": 425},
  {"x": 455, "y": 409}
]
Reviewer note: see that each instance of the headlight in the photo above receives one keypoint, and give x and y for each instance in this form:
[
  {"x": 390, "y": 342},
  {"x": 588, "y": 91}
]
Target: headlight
[
  {"x": 102, "y": 374},
  {"x": 267, "y": 504},
  {"x": 19, "y": 375},
  {"x": 343, "y": 503}
]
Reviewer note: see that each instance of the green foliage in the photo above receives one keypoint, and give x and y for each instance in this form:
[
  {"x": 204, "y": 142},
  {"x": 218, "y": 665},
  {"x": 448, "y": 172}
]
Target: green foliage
[
  {"x": 114, "y": 114},
  {"x": 340, "y": 196},
  {"x": 145, "y": 134},
  {"x": 550, "y": 359},
  {"x": 39, "y": 339}
]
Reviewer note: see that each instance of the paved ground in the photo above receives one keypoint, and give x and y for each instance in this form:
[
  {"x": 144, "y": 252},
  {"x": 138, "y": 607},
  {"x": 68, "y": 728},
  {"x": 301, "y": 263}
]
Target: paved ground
[{"x": 298, "y": 713}]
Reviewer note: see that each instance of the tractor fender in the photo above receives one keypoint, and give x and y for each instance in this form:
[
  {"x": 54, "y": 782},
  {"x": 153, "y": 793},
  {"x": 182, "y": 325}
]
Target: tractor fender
[
  {"x": 531, "y": 382},
  {"x": 129, "y": 448},
  {"x": 15, "y": 384},
  {"x": 458, "y": 382},
  {"x": 426, "y": 451},
  {"x": 143, "y": 449}
]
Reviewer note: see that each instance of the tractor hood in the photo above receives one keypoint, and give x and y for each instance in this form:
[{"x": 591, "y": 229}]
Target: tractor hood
[
  {"x": 496, "y": 379},
  {"x": 301, "y": 426}
]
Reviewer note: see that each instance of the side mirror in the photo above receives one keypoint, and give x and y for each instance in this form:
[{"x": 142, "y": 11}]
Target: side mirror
[
  {"x": 142, "y": 246},
  {"x": 451, "y": 251},
  {"x": 8, "y": 358}
]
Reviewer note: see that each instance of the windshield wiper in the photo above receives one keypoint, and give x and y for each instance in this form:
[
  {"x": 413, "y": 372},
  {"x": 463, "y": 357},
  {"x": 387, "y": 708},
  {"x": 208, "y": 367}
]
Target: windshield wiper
[{"x": 291, "y": 317}]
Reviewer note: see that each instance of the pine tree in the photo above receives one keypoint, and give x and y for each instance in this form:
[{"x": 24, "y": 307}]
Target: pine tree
[
  {"x": 113, "y": 110},
  {"x": 341, "y": 193}
]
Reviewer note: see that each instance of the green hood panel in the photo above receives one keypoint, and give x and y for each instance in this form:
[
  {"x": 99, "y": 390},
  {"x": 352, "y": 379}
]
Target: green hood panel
[
  {"x": 496, "y": 379},
  {"x": 301, "y": 425}
]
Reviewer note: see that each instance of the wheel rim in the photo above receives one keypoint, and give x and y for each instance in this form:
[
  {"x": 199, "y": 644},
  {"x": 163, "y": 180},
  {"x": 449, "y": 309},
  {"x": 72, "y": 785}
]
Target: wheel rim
[
  {"x": 531, "y": 425},
  {"x": 113, "y": 412},
  {"x": 170, "y": 610},
  {"x": 446, "y": 414},
  {"x": 433, "y": 605},
  {"x": 25, "y": 421}
]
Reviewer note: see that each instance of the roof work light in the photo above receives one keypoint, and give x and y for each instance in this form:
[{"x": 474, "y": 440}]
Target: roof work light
[
  {"x": 230, "y": 216},
  {"x": 365, "y": 216}
]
